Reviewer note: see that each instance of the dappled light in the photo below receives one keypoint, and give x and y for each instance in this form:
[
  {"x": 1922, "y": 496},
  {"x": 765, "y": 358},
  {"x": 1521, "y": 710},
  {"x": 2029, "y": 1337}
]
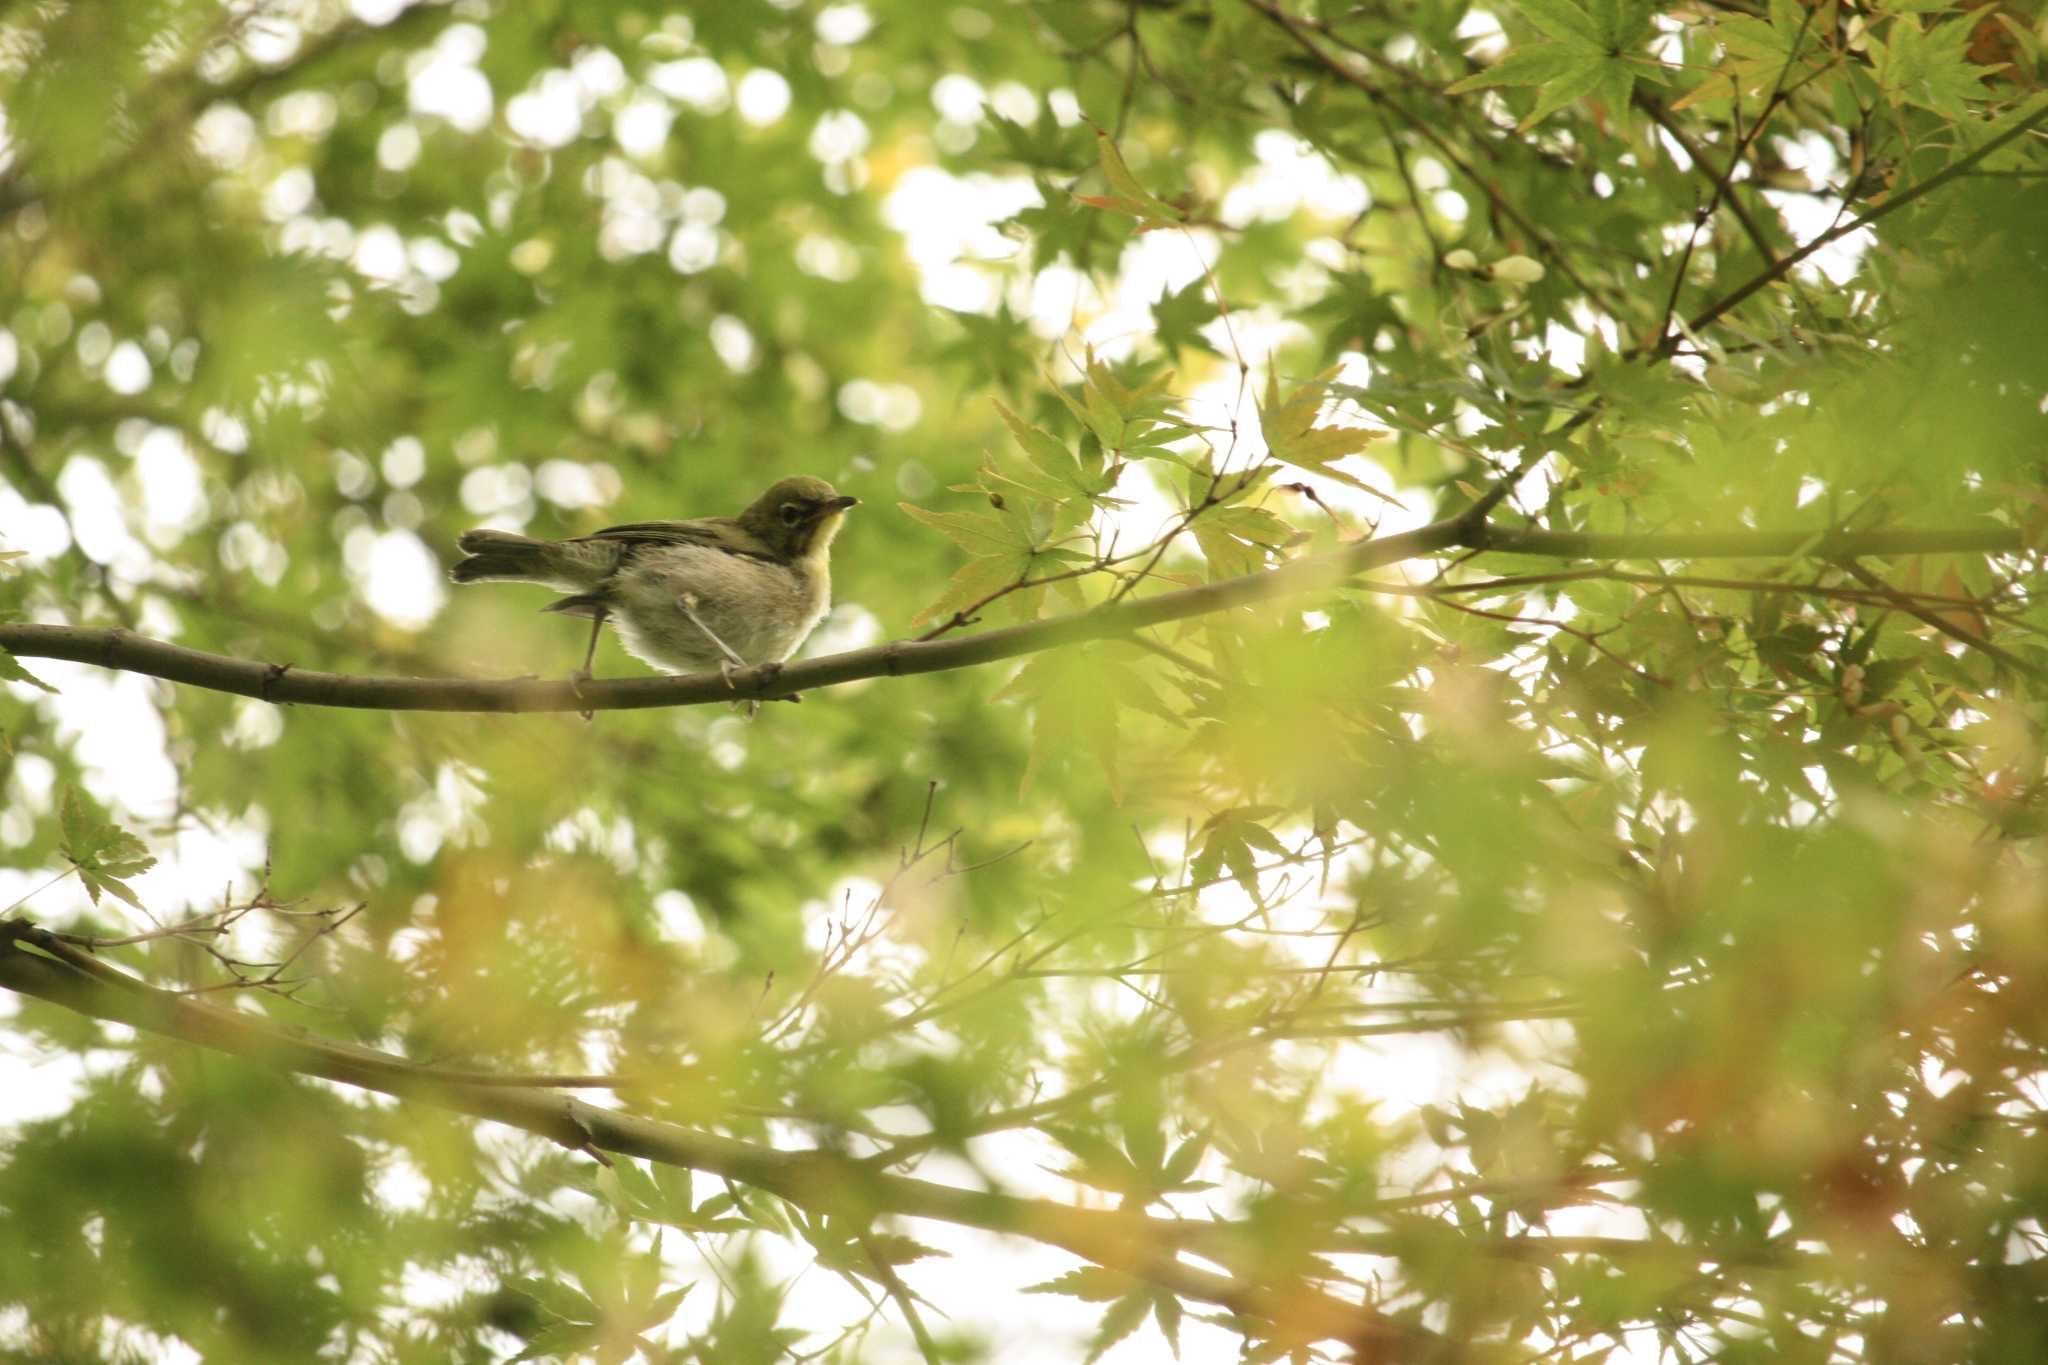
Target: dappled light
[{"x": 1386, "y": 707}]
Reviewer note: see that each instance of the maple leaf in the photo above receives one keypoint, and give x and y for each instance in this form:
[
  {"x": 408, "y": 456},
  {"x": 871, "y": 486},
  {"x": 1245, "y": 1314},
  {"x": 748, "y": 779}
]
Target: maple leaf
[
  {"x": 1076, "y": 698},
  {"x": 12, "y": 671},
  {"x": 1131, "y": 197},
  {"x": 1240, "y": 540},
  {"x": 1588, "y": 52},
  {"x": 1180, "y": 317},
  {"x": 1930, "y": 68},
  {"x": 103, "y": 852},
  {"x": 1294, "y": 438},
  {"x": 1000, "y": 550}
]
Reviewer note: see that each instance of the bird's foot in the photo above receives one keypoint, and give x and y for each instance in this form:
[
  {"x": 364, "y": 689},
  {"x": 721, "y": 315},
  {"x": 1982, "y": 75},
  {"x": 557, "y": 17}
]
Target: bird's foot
[
  {"x": 771, "y": 670},
  {"x": 576, "y": 681}
]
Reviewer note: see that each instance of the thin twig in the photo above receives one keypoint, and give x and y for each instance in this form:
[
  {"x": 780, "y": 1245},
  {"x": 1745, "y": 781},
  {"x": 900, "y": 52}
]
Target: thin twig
[{"x": 900, "y": 1292}]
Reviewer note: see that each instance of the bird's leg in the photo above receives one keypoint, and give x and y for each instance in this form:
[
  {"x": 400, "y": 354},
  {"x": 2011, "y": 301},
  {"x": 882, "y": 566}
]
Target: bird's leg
[
  {"x": 582, "y": 675},
  {"x": 596, "y": 625},
  {"x": 688, "y": 602}
]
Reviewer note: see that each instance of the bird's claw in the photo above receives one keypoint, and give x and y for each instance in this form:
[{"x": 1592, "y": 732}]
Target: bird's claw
[
  {"x": 771, "y": 669},
  {"x": 576, "y": 681},
  {"x": 746, "y": 706}
]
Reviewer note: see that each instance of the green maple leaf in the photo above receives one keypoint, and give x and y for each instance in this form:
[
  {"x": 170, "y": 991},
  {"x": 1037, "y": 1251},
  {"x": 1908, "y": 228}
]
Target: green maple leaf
[
  {"x": 1231, "y": 840},
  {"x": 1180, "y": 317},
  {"x": 1132, "y": 418},
  {"x": 1058, "y": 227},
  {"x": 102, "y": 851},
  {"x": 1047, "y": 453},
  {"x": 1929, "y": 68},
  {"x": 1043, "y": 144},
  {"x": 1076, "y": 699},
  {"x": 12, "y": 671},
  {"x": 1357, "y": 310},
  {"x": 1131, "y": 197},
  {"x": 1093, "y": 1284},
  {"x": 1761, "y": 53},
  {"x": 1241, "y": 540},
  {"x": 1002, "y": 532},
  {"x": 995, "y": 347},
  {"x": 1000, "y": 547},
  {"x": 1122, "y": 1319},
  {"x": 1060, "y": 492},
  {"x": 1294, "y": 438},
  {"x": 1589, "y": 52},
  {"x": 974, "y": 582}
]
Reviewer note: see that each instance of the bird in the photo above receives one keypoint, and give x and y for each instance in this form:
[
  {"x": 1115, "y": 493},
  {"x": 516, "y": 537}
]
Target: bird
[{"x": 685, "y": 596}]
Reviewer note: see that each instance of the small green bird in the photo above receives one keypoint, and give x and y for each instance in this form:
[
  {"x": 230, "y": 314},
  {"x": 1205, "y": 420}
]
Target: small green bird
[{"x": 686, "y": 596}]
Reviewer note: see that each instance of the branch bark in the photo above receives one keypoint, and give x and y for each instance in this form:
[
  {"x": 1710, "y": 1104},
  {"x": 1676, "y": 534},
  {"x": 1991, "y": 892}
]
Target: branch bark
[
  {"x": 37, "y": 963},
  {"x": 285, "y": 685}
]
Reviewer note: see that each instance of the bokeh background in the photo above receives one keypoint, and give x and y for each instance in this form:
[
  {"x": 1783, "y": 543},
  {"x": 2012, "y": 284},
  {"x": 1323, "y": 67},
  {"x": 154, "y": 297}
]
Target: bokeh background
[{"x": 1627, "y": 965}]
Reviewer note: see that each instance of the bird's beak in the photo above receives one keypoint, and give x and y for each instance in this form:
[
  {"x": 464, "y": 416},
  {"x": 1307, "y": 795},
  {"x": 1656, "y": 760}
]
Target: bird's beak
[{"x": 839, "y": 504}]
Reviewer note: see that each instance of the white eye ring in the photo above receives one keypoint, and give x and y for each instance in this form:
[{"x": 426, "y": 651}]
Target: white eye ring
[{"x": 791, "y": 514}]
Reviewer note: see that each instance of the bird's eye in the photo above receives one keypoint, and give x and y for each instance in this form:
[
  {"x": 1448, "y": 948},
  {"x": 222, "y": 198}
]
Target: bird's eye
[{"x": 792, "y": 513}]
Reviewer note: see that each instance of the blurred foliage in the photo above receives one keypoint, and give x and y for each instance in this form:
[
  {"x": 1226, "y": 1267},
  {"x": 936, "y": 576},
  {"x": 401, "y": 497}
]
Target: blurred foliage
[{"x": 1561, "y": 956}]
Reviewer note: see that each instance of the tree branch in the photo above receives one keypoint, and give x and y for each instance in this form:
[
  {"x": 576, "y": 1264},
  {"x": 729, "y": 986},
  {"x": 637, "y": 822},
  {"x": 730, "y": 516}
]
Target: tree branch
[
  {"x": 285, "y": 685},
  {"x": 35, "y": 962},
  {"x": 1777, "y": 269},
  {"x": 1721, "y": 179},
  {"x": 1749, "y": 544},
  {"x": 1920, "y": 612},
  {"x": 1298, "y": 28}
]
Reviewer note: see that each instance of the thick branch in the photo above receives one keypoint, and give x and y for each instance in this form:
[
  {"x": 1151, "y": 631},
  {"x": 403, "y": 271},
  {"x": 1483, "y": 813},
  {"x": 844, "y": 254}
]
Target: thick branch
[
  {"x": 34, "y": 962},
  {"x": 285, "y": 685},
  {"x": 1751, "y": 544}
]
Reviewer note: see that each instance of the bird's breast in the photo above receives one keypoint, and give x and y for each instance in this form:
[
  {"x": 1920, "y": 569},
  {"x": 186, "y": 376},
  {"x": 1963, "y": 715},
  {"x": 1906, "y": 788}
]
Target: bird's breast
[{"x": 761, "y": 610}]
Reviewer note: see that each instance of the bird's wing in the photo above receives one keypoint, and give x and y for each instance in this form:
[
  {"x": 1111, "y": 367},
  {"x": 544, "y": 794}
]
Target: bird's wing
[{"x": 713, "y": 533}]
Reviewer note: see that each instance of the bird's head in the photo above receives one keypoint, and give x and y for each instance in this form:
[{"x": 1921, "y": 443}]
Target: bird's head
[{"x": 797, "y": 518}]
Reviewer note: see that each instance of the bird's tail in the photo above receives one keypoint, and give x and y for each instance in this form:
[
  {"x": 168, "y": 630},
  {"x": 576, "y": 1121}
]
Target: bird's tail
[{"x": 501, "y": 556}]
